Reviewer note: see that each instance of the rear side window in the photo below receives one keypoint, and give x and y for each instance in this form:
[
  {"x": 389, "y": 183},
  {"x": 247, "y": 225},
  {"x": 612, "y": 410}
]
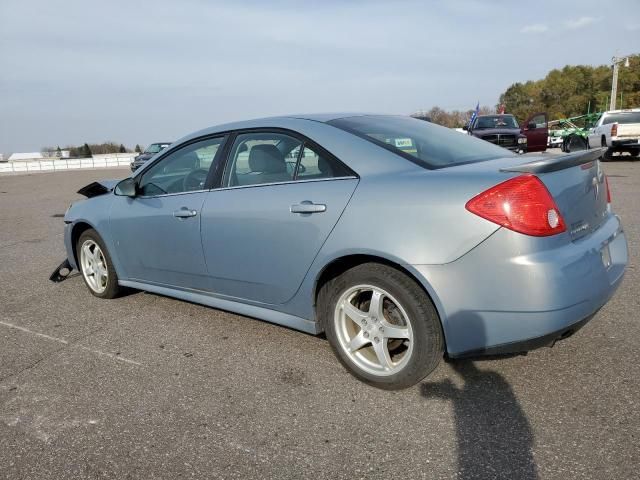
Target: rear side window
[
  {"x": 313, "y": 165},
  {"x": 626, "y": 117},
  {"x": 428, "y": 145},
  {"x": 262, "y": 157},
  {"x": 273, "y": 157}
]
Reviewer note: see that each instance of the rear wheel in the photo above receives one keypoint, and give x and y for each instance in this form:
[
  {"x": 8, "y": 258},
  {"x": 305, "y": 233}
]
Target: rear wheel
[
  {"x": 381, "y": 325},
  {"x": 575, "y": 143},
  {"x": 96, "y": 266},
  {"x": 608, "y": 155}
]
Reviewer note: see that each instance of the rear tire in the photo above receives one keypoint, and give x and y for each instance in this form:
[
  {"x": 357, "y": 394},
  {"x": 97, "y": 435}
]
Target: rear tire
[
  {"x": 607, "y": 156},
  {"x": 575, "y": 143},
  {"x": 390, "y": 347},
  {"x": 96, "y": 266}
]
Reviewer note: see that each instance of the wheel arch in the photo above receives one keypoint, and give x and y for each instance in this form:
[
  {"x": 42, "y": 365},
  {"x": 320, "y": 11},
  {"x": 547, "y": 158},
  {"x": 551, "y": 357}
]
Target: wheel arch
[
  {"x": 341, "y": 264},
  {"x": 78, "y": 229}
]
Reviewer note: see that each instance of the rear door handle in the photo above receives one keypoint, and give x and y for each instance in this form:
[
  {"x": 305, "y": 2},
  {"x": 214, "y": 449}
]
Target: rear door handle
[
  {"x": 308, "y": 207},
  {"x": 184, "y": 212}
]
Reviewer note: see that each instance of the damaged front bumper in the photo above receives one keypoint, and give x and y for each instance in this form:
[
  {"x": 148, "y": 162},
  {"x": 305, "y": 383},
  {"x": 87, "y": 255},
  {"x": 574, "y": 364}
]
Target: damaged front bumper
[{"x": 62, "y": 272}]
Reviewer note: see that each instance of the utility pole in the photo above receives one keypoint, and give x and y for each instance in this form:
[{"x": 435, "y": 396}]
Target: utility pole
[{"x": 616, "y": 61}]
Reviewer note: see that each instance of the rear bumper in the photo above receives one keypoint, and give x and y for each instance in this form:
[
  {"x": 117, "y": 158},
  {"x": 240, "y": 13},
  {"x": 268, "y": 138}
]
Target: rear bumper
[
  {"x": 496, "y": 300},
  {"x": 626, "y": 143}
]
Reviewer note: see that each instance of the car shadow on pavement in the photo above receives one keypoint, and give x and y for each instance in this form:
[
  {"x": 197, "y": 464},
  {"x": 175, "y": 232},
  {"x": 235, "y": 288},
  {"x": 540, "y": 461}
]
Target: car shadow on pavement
[{"x": 494, "y": 437}]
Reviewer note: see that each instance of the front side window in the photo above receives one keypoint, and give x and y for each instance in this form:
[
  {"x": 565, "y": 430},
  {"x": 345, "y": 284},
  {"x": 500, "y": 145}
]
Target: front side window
[
  {"x": 540, "y": 121},
  {"x": 184, "y": 170},
  {"x": 424, "y": 143}
]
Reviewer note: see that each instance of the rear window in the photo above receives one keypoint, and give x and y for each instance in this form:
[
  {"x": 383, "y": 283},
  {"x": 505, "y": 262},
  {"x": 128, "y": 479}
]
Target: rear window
[
  {"x": 627, "y": 117},
  {"x": 428, "y": 145}
]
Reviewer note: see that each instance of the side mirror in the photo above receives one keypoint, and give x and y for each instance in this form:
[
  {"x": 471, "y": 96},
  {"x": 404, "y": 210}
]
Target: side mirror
[
  {"x": 126, "y": 188},
  {"x": 465, "y": 128},
  {"x": 531, "y": 126}
]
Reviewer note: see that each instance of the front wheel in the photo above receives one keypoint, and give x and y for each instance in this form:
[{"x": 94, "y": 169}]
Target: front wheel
[
  {"x": 96, "y": 266},
  {"x": 382, "y": 326}
]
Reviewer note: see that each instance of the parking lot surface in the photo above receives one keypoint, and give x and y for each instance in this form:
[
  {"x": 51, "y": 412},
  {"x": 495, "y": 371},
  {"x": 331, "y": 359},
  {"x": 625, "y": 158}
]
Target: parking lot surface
[{"x": 150, "y": 387}]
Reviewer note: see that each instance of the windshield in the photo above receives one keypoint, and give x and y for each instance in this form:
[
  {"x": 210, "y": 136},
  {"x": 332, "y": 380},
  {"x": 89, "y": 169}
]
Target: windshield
[
  {"x": 424, "y": 143},
  {"x": 625, "y": 117},
  {"x": 496, "y": 121},
  {"x": 156, "y": 147}
]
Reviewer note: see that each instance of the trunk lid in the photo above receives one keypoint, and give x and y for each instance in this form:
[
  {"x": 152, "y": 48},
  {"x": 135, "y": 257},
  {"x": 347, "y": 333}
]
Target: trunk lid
[{"x": 578, "y": 186}]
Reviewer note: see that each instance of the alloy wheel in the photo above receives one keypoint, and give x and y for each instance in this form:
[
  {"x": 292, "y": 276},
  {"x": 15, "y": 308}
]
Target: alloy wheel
[{"x": 374, "y": 330}]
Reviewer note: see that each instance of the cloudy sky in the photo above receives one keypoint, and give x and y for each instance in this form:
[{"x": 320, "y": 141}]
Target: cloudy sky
[{"x": 78, "y": 71}]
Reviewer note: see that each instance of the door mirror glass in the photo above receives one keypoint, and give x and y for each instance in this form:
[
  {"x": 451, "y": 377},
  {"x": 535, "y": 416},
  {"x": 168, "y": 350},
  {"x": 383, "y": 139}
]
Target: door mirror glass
[
  {"x": 126, "y": 188},
  {"x": 531, "y": 126},
  {"x": 466, "y": 128}
]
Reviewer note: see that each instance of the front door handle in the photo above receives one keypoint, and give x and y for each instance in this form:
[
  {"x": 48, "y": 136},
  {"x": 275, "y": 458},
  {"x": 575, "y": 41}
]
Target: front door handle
[
  {"x": 184, "y": 212},
  {"x": 308, "y": 207}
]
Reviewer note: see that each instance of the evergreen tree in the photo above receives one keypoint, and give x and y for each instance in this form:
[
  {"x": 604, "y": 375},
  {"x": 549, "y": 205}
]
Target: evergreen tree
[
  {"x": 122, "y": 149},
  {"x": 138, "y": 149},
  {"x": 58, "y": 152},
  {"x": 86, "y": 151}
]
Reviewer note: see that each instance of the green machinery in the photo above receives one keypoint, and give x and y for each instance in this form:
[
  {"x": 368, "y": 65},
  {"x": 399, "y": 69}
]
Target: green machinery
[{"x": 573, "y": 131}]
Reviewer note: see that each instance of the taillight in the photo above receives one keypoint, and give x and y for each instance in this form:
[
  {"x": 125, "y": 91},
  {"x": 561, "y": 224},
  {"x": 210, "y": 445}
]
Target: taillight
[
  {"x": 614, "y": 130},
  {"x": 522, "y": 204},
  {"x": 606, "y": 181}
]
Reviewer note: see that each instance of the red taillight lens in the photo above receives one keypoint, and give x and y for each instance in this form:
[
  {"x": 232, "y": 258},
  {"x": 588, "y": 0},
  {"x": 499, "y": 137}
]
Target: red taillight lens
[
  {"x": 522, "y": 204},
  {"x": 614, "y": 130},
  {"x": 606, "y": 180}
]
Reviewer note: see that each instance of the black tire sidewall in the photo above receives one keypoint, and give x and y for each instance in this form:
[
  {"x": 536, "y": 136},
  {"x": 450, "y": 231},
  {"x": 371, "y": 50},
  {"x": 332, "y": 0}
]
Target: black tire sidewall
[
  {"x": 428, "y": 347},
  {"x": 112, "y": 289}
]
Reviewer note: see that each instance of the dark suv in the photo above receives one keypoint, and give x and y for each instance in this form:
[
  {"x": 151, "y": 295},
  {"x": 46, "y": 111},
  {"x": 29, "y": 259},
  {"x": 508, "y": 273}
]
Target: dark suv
[
  {"x": 149, "y": 152},
  {"x": 503, "y": 130}
]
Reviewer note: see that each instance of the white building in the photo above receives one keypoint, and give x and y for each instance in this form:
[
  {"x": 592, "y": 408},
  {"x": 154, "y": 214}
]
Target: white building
[{"x": 25, "y": 157}]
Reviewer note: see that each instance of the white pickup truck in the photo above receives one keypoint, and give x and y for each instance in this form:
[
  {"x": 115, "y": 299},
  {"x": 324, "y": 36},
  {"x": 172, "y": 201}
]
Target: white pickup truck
[{"x": 619, "y": 131}]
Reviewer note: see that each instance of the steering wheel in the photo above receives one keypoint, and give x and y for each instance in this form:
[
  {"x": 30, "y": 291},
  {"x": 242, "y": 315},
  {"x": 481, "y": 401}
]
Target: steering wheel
[{"x": 195, "y": 180}]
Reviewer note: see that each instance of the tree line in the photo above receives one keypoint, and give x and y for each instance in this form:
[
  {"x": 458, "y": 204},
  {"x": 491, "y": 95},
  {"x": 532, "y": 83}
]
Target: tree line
[
  {"x": 89, "y": 149},
  {"x": 567, "y": 92}
]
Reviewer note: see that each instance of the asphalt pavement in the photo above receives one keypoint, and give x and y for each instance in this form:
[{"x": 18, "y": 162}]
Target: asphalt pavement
[{"x": 148, "y": 387}]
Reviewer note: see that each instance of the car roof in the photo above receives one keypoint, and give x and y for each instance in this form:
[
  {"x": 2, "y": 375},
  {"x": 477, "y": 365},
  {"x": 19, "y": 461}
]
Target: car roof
[
  {"x": 284, "y": 121},
  {"x": 626, "y": 110}
]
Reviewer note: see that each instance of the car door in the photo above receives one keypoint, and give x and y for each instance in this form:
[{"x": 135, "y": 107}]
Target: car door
[
  {"x": 537, "y": 132},
  {"x": 157, "y": 233},
  {"x": 595, "y": 137},
  {"x": 280, "y": 198}
]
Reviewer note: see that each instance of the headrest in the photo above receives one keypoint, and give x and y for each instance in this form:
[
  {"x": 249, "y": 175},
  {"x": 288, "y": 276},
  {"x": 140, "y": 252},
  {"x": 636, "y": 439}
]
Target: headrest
[
  {"x": 324, "y": 166},
  {"x": 266, "y": 159}
]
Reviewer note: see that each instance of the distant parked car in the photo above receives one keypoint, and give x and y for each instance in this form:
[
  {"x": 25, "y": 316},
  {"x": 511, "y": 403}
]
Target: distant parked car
[
  {"x": 504, "y": 130},
  {"x": 618, "y": 131},
  {"x": 398, "y": 238},
  {"x": 149, "y": 152}
]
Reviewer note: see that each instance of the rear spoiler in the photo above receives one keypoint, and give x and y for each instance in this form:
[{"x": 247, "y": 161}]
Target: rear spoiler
[{"x": 553, "y": 164}]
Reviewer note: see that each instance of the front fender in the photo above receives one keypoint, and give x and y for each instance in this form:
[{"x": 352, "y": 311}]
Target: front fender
[{"x": 91, "y": 213}]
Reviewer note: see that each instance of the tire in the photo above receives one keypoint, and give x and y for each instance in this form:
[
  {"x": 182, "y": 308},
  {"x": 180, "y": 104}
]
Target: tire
[
  {"x": 575, "y": 143},
  {"x": 411, "y": 330},
  {"x": 607, "y": 156},
  {"x": 96, "y": 266}
]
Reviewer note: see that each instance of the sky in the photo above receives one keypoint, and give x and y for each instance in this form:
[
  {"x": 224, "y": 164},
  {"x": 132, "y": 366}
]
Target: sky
[{"x": 78, "y": 71}]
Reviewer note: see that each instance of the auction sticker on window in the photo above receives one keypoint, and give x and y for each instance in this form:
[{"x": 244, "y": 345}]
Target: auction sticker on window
[{"x": 403, "y": 143}]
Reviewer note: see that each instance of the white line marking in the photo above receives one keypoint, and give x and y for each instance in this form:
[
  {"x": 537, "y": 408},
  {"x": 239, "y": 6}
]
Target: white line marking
[
  {"x": 26, "y": 330},
  {"x": 65, "y": 342}
]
